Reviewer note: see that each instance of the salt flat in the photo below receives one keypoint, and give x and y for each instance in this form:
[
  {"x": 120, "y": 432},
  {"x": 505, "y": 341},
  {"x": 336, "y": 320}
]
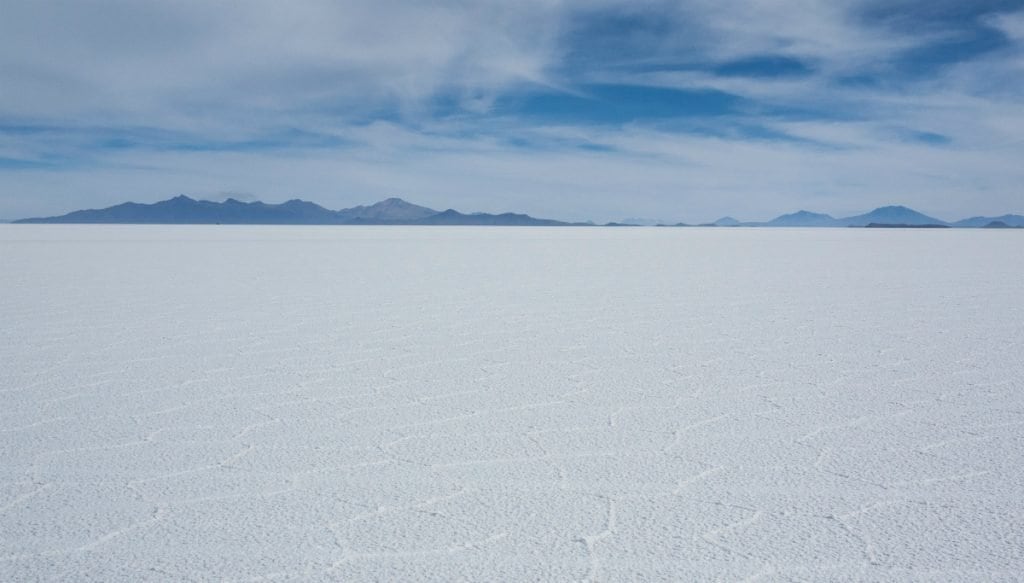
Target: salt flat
[{"x": 402, "y": 404}]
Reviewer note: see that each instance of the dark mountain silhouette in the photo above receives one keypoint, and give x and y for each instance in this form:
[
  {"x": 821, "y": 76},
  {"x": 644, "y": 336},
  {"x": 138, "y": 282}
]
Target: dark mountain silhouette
[
  {"x": 395, "y": 211},
  {"x": 453, "y": 217},
  {"x": 388, "y": 210},
  {"x": 724, "y": 222},
  {"x": 890, "y": 215},
  {"x": 887, "y": 215},
  {"x": 1008, "y": 220},
  {"x": 185, "y": 210},
  {"x": 803, "y": 219},
  {"x": 1001, "y": 225}
]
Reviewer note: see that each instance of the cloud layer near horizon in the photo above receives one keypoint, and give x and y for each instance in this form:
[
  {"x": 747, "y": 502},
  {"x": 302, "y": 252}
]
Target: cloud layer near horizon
[{"x": 577, "y": 110}]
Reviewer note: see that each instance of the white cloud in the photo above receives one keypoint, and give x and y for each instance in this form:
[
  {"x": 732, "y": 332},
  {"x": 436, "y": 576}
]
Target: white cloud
[
  {"x": 146, "y": 62},
  {"x": 1010, "y": 23}
]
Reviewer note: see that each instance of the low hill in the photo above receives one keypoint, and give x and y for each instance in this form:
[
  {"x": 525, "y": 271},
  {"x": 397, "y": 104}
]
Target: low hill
[
  {"x": 803, "y": 219},
  {"x": 890, "y": 215},
  {"x": 1008, "y": 220}
]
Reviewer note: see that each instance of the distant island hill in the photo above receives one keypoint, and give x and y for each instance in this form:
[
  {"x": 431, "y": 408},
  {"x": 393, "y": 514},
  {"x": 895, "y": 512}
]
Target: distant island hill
[{"x": 183, "y": 210}]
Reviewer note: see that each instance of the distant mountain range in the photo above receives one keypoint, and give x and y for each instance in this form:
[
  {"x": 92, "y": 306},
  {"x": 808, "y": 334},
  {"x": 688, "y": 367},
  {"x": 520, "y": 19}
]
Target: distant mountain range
[
  {"x": 992, "y": 222},
  {"x": 887, "y": 216},
  {"x": 185, "y": 210},
  {"x": 395, "y": 211}
]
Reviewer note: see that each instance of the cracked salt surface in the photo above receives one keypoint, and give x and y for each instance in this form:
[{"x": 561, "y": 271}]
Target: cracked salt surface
[{"x": 291, "y": 404}]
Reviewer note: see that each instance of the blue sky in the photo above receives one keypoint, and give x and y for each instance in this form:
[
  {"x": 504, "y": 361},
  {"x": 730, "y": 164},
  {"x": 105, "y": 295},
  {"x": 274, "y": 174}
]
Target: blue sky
[{"x": 599, "y": 109}]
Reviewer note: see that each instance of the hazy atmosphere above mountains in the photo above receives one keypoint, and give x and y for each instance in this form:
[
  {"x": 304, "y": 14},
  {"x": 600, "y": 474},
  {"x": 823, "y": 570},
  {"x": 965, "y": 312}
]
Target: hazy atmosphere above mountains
[{"x": 595, "y": 110}]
